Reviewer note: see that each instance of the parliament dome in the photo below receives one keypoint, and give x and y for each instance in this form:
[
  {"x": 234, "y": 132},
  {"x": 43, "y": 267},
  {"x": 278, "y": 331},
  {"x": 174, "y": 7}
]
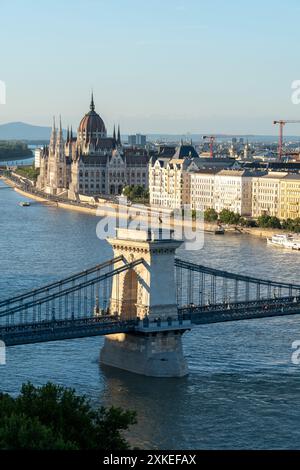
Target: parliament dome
[{"x": 91, "y": 125}]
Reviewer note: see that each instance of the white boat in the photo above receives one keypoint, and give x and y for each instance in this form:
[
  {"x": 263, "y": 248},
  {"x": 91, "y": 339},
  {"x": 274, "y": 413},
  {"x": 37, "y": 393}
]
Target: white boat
[{"x": 284, "y": 241}]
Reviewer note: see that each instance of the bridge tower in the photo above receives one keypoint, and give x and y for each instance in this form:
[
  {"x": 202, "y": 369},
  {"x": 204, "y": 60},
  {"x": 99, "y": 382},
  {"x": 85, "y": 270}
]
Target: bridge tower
[{"x": 147, "y": 292}]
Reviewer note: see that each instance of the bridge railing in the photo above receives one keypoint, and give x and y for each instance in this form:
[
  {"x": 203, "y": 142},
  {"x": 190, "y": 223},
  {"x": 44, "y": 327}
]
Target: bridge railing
[
  {"x": 55, "y": 286},
  {"x": 200, "y": 285},
  {"x": 89, "y": 295},
  {"x": 240, "y": 311}
]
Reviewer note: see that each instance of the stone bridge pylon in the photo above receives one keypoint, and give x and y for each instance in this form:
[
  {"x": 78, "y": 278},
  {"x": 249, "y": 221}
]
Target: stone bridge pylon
[{"x": 148, "y": 292}]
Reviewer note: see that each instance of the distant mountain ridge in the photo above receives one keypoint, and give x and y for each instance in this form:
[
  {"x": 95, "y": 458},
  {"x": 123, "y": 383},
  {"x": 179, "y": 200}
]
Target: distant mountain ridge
[
  {"x": 24, "y": 131},
  {"x": 30, "y": 132}
]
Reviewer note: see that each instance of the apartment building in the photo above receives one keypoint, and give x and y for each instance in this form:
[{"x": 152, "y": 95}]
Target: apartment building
[
  {"x": 233, "y": 191},
  {"x": 290, "y": 196},
  {"x": 201, "y": 189},
  {"x": 266, "y": 194},
  {"x": 168, "y": 177}
]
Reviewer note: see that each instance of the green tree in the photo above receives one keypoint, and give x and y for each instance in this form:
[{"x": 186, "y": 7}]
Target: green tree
[
  {"x": 267, "y": 221},
  {"x": 210, "y": 215},
  {"x": 293, "y": 225},
  {"x": 228, "y": 217},
  {"x": 54, "y": 417},
  {"x": 136, "y": 193},
  {"x": 28, "y": 172}
]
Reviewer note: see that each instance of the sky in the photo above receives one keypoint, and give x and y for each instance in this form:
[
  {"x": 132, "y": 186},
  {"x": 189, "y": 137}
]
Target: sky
[{"x": 159, "y": 66}]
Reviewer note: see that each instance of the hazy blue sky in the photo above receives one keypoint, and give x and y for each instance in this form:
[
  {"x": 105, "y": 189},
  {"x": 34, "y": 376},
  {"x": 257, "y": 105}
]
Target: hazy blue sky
[{"x": 155, "y": 66}]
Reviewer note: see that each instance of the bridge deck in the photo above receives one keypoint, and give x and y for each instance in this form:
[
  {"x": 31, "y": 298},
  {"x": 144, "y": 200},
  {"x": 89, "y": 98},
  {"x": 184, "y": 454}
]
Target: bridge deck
[
  {"x": 61, "y": 330},
  {"x": 56, "y": 330},
  {"x": 254, "y": 310}
]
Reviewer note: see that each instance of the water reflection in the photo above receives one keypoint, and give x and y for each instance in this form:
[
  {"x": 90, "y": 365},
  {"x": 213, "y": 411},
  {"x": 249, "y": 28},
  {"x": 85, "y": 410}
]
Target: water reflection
[{"x": 158, "y": 403}]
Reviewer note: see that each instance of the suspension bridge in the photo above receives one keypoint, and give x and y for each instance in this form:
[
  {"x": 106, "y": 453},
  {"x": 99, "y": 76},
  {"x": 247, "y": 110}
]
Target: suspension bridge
[{"x": 143, "y": 293}]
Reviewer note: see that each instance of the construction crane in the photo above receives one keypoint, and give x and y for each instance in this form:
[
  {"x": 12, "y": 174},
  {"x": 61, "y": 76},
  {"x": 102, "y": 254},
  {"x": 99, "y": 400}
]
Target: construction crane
[
  {"x": 212, "y": 139},
  {"x": 282, "y": 123}
]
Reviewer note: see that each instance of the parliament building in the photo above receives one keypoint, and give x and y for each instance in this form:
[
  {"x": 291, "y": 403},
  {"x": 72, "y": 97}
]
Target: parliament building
[{"x": 90, "y": 163}]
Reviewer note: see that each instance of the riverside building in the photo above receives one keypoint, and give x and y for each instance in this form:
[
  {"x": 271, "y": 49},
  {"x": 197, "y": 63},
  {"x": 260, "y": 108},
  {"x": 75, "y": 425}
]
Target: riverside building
[
  {"x": 168, "y": 177},
  {"x": 233, "y": 191},
  {"x": 290, "y": 196},
  {"x": 178, "y": 181},
  {"x": 92, "y": 163},
  {"x": 266, "y": 194}
]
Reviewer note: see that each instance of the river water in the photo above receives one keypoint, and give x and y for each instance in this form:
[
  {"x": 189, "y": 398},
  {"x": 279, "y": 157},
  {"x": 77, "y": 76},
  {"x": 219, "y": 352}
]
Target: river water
[{"x": 242, "y": 391}]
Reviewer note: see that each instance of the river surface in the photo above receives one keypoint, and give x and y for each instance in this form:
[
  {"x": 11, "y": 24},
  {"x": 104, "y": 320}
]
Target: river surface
[{"x": 242, "y": 391}]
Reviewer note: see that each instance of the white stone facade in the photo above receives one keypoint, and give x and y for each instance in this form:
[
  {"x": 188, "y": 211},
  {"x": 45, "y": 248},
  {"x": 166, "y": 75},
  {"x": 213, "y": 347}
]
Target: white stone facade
[
  {"x": 233, "y": 191},
  {"x": 148, "y": 289},
  {"x": 202, "y": 184},
  {"x": 169, "y": 180},
  {"x": 174, "y": 183}
]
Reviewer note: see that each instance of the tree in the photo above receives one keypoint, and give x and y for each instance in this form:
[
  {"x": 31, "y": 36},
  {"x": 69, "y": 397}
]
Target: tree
[
  {"x": 210, "y": 215},
  {"x": 228, "y": 217},
  {"x": 267, "y": 221},
  {"x": 54, "y": 417},
  {"x": 29, "y": 172},
  {"x": 293, "y": 225},
  {"x": 136, "y": 193}
]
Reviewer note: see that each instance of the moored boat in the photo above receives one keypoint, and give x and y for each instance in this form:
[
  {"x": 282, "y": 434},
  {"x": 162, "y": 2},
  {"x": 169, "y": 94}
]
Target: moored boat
[
  {"x": 24, "y": 204},
  {"x": 219, "y": 230},
  {"x": 284, "y": 241}
]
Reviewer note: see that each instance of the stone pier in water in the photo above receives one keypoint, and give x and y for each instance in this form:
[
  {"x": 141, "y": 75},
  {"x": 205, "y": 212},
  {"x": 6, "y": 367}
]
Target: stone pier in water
[{"x": 147, "y": 292}]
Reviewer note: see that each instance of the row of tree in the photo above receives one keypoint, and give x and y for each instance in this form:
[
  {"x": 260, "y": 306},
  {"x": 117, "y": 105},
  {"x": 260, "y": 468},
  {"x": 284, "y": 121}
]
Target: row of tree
[
  {"x": 29, "y": 172},
  {"x": 264, "y": 221},
  {"x": 225, "y": 216}
]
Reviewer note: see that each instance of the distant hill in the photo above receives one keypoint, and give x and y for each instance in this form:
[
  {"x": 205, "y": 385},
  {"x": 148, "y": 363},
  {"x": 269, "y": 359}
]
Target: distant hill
[
  {"x": 23, "y": 131},
  {"x": 40, "y": 134}
]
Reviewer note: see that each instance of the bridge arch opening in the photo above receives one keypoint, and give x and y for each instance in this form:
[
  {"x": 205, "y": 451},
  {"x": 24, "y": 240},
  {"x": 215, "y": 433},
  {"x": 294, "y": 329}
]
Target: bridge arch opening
[{"x": 130, "y": 295}]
